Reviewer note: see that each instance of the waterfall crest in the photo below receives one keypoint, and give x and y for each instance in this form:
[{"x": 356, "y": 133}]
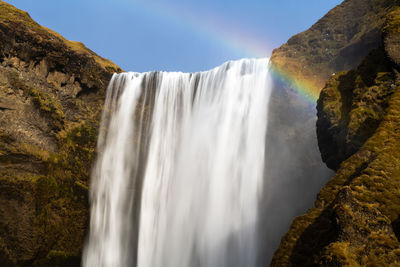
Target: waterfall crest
[{"x": 179, "y": 174}]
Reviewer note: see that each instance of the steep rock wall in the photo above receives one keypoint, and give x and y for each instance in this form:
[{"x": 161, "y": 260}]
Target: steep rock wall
[
  {"x": 338, "y": 41},
  {"x": 51, "y": 95},
  {"x": 355, "y": 220}
]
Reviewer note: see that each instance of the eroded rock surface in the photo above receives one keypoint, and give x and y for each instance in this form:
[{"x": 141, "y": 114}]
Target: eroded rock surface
[
  {"x": 51, "y": 95},
  {"x": 338, "y": 41},
  {"x": 355, "y": 219}
]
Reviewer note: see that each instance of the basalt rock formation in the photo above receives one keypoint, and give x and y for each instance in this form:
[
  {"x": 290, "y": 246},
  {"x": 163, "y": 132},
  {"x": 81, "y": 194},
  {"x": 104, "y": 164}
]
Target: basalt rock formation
[
  {"x": 51, "y": 94},
  {"x": 355, "y": 219}
]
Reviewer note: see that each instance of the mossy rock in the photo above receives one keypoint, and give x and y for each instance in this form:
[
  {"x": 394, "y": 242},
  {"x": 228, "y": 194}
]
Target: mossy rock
[
  {"x": 392, "y": 23},
  {"x": 354, "y": 221},
  {"x": 351, "y": 107},
  {"x": 46, "y": 151},
  {"x": 48, "y": 106},
  {"x": 338, "y": 41},
  {"x": 46, "y": 189}
]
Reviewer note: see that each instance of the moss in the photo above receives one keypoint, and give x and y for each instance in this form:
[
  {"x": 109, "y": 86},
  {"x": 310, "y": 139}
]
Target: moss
[
  {"x": 82, "y": 49},
  {"x": 5, "y": 140},
  {"x": 365, "y": 109},
  {"x": 46, "y": 189},
  {"x": 337, "y": 42},
  {"x": 83, "y": 135},
  {"x": 78, "y": 149},
  {"x": 13, "y": 150},
  {"x": 341, "y": 253},
  {"x": 10, "y": 13},
  {"x": 48, "y": 106},
  {"x": 392, "y": 23},
  {"x": 351, "y": 106}
]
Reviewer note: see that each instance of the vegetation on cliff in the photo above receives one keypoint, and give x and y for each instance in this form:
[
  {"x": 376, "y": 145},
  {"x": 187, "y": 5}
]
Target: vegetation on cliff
[
  {"x": 351, "y": 107},
  {"x": 339, "y": 41},
  {"x": 355, "y": 220},
  {"x": 51, "y": 94}
]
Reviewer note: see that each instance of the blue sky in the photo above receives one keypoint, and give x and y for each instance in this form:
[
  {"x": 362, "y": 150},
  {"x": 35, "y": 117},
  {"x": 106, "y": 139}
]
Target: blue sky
[{"x": 177, "y": 35}]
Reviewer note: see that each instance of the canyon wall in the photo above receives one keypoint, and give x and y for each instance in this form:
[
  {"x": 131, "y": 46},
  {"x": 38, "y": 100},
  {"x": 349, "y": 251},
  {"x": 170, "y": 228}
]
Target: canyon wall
[
  {"x": 354, "y": 220},
  {"x": 51, "y": 95}
]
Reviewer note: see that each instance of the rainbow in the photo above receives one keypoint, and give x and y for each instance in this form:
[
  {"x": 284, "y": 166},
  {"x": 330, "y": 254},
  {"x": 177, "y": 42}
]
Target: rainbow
[
  {"x": 232, "y": 37},
  {"x": 303, "y": 87}
]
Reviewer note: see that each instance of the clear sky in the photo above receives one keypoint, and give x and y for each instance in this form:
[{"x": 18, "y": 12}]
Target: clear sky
[{"x": 177, "y": 35}]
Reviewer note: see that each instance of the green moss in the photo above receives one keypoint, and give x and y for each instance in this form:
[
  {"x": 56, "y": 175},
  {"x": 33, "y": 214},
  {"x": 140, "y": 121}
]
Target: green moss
[
  {"x": 48, "y": 106},
  {"x": 342, "y": 253},
  {"x": 46, "y": 189},
  {"x": 10, "y": 13},
  {"x": 382, "y": 77},
  {"x": 364, "y": 106},
  {"x": 77, "y": 149},
  {"x": 83, "y": 135},
  {"x": 392, "y": 24}
]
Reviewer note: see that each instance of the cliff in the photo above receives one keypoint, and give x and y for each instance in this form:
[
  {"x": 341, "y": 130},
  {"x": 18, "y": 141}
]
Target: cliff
[
  {"x": 52, "y": 91},
  {"x": 355, "y": 219},
  {"x": 338, "y": 41},
  {"x": 51, "y": 94}
]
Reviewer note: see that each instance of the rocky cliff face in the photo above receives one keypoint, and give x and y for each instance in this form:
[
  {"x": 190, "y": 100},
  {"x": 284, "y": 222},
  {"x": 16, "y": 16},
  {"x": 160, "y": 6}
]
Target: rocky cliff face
[
  {"x": 355, "y": 219},
  {"x": 338, "y": 41},
  {"x": 51, "y": 94}
]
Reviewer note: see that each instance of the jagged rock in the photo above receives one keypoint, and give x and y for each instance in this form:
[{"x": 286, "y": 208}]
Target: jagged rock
[
  {"x": 51, "y": 95},
  {"x": 354, "y": 221},
  {"x": 338, "y": 41},
  {"x": 351, "y": 107}
]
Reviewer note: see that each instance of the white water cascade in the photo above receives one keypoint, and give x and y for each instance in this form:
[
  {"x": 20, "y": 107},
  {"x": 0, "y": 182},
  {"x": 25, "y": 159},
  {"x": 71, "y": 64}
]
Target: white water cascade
[{"x": 179, "y": 175}]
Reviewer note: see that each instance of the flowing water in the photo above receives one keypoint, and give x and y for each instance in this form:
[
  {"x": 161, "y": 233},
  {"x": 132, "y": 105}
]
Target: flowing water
[{"x": 179, "y": 175}]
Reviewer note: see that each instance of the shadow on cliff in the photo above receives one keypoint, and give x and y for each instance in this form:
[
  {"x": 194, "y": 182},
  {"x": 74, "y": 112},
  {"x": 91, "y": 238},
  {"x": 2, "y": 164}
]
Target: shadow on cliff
[{"x": 294, "y": 171}]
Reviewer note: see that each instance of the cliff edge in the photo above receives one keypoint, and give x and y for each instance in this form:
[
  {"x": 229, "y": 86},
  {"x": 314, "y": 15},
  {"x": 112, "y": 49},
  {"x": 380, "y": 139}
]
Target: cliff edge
[
  {"x": 338, "y": 41},
  {"x": 51, "y": 94},
  {"x": 355, "y": 219}
]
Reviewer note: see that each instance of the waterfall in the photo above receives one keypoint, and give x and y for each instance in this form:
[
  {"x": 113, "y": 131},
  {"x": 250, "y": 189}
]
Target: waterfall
[{"x": 179, "y": 175}]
